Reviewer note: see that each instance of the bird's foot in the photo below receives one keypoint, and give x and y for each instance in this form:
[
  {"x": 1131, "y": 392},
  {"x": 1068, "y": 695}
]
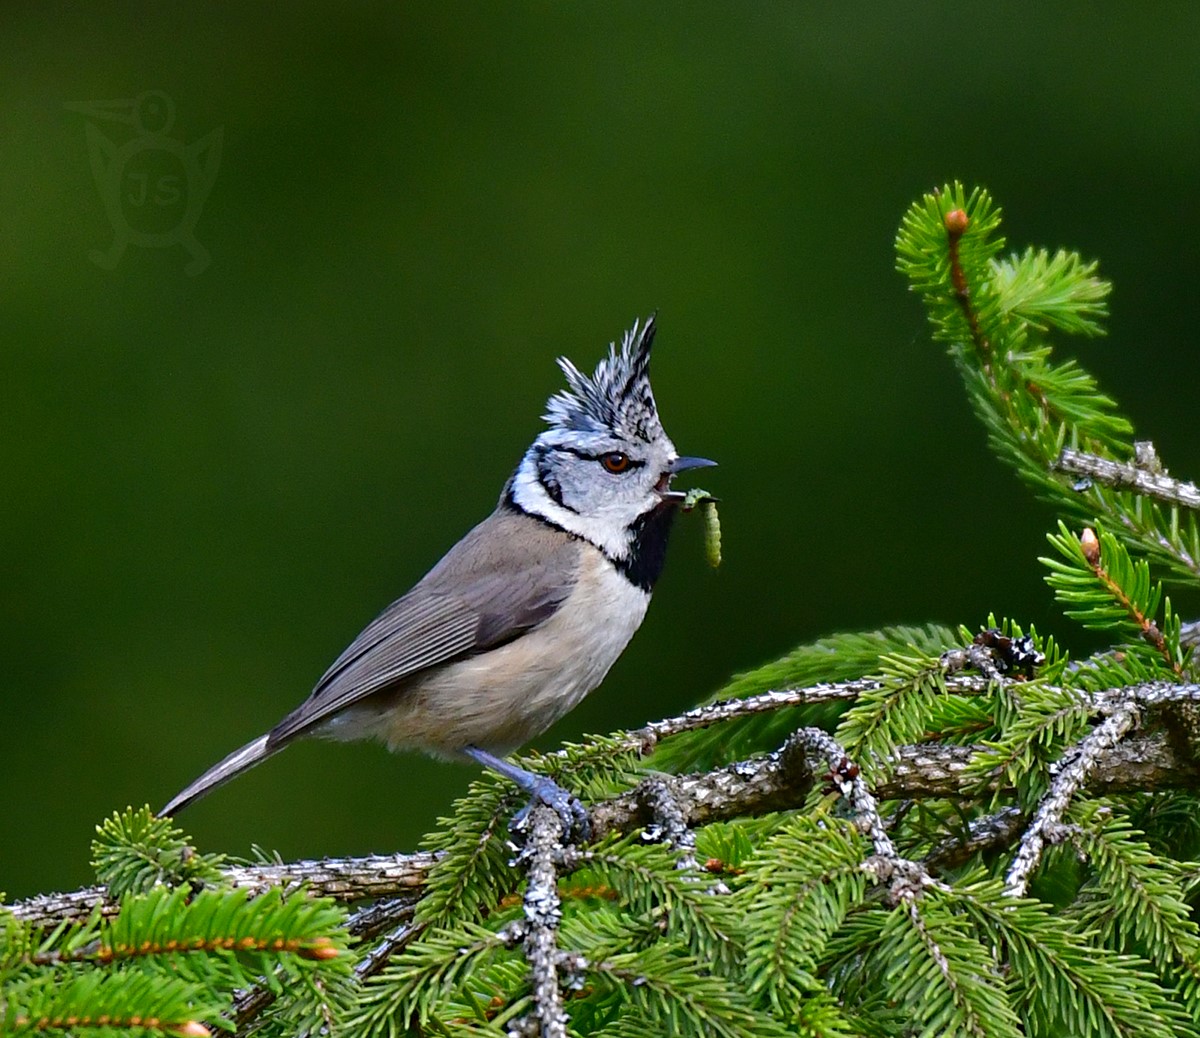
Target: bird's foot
[{"x": 577, "y": 825}]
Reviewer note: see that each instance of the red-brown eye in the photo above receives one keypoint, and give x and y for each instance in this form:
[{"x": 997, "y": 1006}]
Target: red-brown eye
[{"x": 615, "y": 461}]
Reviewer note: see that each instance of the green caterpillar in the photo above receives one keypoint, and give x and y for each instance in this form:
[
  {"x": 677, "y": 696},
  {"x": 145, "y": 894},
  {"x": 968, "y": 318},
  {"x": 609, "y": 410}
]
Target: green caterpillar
[{"x": 712, "y": 523}]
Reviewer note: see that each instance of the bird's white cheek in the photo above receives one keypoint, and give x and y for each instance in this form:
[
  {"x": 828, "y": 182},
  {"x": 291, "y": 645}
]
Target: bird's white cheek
[{"x": 604, "y": 526}]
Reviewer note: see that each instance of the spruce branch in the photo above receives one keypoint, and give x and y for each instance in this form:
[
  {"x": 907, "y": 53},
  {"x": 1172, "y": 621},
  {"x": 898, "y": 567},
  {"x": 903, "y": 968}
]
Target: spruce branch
[
  {"x": 383, "y": 915},
  {"x": 74, "y": 1023},
  {"x": 647, "y": 881},
  {"x": 1122, "y": 710},
  {"x": 645, "y": 739},
  {"x": 957, "y": 222},
  {"x": 471, "y": 871},
  {"x": 675, "y": 994},
  {"x": 411, "y": 986},
  {"x": 798, "y": 889},
  {"x": 543, "y": 832},
  {"x": 1135, "y": 899},
  {"x": 388, "y": 919},
  {"x": 846, "y": 776},
  {"x": 777, "y": 781},
  {"x": 995, "y": 315},
  {"x": 968, "y": 995},
  {"x": 343, "y": 879},
  {"x": 389, "y": 946},
  {"x": 172, "y": 923},
  {"x": 899, "y": 711},
  {"x": 1073, "y": 771},
  {"x": 1104, "y": 588},
  {"x": 1144, "y": 474},
  {"x": 134, "y": 851},
  {"x": 103, "y": 1001},
  {"x": 991, "y": 832},
  {"x": 839, "y": 660},
  {"x": 668, "y": 821},
  {"x": 1060, "y": 981}
]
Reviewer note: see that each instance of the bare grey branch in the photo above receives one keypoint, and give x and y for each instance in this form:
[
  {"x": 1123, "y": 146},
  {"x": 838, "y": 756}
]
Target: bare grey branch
[
  {"x": 777, "y": 781},
  {"x": 1073, "y": 771},
  {"x": 542, "y": 854},
  {"x": 1151, "y": 480},
  {"x": 346, "y": 879}
]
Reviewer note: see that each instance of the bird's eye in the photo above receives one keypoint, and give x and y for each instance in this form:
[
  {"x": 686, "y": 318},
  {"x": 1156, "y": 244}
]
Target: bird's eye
[{"x": 615, "y": 461}]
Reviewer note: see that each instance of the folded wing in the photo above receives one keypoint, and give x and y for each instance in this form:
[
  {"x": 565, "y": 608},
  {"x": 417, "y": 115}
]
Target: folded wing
[{"x": 509, "y": 574}]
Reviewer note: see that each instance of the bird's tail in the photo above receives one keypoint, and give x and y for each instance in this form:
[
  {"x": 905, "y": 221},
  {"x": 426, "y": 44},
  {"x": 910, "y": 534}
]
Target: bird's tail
[{"x": 240, "y": 760}]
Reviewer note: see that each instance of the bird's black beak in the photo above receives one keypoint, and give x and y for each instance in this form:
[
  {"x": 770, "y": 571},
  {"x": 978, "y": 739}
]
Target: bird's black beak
[
  {"x": 683, "y": 464},
  {"x": 675, "y": 466}
]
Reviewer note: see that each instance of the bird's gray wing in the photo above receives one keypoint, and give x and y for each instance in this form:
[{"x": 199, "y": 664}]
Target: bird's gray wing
[{"x": 510, "y": 573}]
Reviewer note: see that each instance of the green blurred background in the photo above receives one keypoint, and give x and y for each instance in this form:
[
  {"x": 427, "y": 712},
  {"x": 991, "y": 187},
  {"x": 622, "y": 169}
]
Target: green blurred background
[{"x": 211, "y": 482}]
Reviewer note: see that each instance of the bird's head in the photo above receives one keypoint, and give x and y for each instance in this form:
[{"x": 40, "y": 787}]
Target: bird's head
[{"x": 602, "y": 469}]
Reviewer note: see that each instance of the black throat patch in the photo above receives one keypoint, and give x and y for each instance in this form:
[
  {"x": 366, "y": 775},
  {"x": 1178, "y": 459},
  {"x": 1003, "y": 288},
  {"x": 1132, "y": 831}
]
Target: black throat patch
[{"x": 648, "y": 547}]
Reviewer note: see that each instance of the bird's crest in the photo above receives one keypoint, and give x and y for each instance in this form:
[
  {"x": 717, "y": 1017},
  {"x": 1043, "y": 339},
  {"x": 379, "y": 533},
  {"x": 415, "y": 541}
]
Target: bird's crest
[{"x": 616, "y": 398}]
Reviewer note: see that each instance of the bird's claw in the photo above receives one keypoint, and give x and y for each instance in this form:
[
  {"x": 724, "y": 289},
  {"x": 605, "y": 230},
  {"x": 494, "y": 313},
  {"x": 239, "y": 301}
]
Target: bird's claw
[{"x": 577, "y": 825}]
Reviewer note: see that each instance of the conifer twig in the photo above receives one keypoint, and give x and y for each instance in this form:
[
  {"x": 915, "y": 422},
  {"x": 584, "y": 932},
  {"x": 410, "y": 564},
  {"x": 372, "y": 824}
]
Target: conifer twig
[
  {"x": 778, "y": 781},
  {"x": 1047, "y": 822},
  {"x": 905, "y": 878},
  {"x": 1147, "y": 479},
  {"x": 542, "y": 854},
  {"x": 983, "y": 834},
  {"x": 774, "y": 782},
  {"x": 956, "y": 223},
  {"x": 1150, "y": 693},
  {"x": 346, "y": 879},
  {"x": 1189, "y": 634},
  {"x": 367, "y": 924},
  {"x": 1152, "y": 634},
  {"x": 251, "y": 1003},
  {"x": 668, "y": 821},
  {"x": 643, "y": 740},
  {"x": 392, "y": 944},
  {"x": 184, "y": 1028},
  {"x": 646, "y": 738},
  {"x": 844, "y": 774}
]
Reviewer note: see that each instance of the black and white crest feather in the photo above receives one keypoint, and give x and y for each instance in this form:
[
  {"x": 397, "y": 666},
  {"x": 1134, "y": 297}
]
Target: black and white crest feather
[
  {"x": 565, "y": 479},
  {"x": 617, "y": 397}
]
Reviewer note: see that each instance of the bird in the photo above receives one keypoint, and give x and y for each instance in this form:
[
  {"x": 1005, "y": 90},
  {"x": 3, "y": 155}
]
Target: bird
[{"x": 525, "y": 615}]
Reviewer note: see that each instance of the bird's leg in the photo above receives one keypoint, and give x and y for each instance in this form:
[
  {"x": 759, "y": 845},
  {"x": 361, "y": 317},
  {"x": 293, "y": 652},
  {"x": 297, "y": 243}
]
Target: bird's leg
[{"x": 541, "y": 789}]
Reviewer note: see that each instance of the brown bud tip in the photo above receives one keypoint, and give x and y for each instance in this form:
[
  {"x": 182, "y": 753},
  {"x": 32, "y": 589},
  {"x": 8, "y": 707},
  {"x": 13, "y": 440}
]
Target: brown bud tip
[
  {"x": 956, "y": 222},
  {"x": 320, "y": 950},
  {"x": 1090, "y": 545},
  {"x": 191, "y": 1029}
]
